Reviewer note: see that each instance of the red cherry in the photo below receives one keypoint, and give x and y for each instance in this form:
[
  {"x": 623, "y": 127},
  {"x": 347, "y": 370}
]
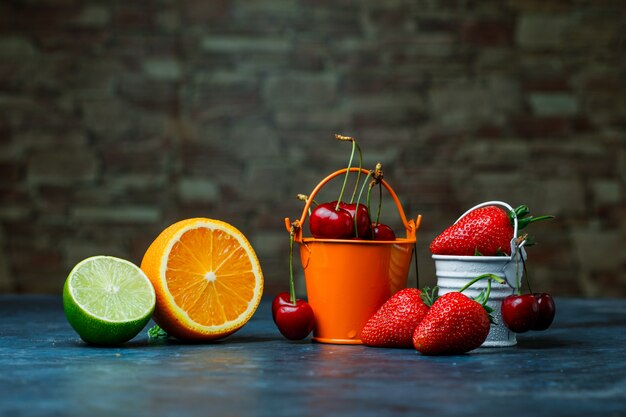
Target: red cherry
[
  {"x": 519, "y": 312},
  {"x": 363, "y": 218},
  {"x": 326, "y": 222},
  {"x": 295, "y": 322},
  {"x": 383, "y": 232},
  {"x": 546, "y": 310},
  {"x": 281, "y": 299}
]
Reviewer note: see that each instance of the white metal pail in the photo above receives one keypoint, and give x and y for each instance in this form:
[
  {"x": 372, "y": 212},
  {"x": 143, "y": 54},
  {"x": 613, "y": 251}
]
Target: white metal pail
[{"x": 453, "y": 272}]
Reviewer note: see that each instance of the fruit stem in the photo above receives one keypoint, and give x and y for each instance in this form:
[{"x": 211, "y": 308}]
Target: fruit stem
[
  {"x": 380, "y": 202},
  {"x": 358, "y": 201},
  {"x": 483, "y": 276},
  {"x": 345, "y": 180},
  {"x": 526, "y": 274},
  {"x": 292, "y": 288},
  {"x": 358, "y": 175},
  {"x": 377, "y": 174},
  {"x": 305, "y": 198},
  {"x": 368, "y": 201},
  {"x": 517, "y": 278}
]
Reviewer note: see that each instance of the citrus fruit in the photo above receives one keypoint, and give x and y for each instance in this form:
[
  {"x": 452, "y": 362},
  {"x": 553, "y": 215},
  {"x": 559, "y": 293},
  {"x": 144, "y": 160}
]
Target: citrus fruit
[
  {"x": 207, "y": 279},
  {"x": 107, "y": 300}
]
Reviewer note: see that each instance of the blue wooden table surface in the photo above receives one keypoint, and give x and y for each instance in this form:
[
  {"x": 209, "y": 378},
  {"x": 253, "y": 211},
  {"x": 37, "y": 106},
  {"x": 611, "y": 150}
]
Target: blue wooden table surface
[{"x": 577, "y": 367}]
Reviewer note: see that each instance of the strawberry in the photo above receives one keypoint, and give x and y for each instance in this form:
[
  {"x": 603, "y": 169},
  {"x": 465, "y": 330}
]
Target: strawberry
[
  {"x": 485, "y": 231},
  {"x": 454, "y": 324},
  {"x": 395, "y": 321}
]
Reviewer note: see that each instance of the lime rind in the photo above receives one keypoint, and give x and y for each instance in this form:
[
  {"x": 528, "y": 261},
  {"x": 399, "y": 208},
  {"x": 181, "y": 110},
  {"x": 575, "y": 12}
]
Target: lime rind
[{"x": 111, "y": 289}]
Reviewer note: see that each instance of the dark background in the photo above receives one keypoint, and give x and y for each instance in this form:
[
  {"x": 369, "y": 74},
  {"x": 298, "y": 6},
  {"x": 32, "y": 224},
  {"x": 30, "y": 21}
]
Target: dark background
[{"x": 118, "y": 118}]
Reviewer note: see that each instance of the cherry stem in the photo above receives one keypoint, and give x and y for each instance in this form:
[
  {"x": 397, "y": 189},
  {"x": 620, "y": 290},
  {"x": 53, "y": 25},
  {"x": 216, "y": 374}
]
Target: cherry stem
[
  {"x": 292, "y": 288},
  {"x": 305, "y": 198},
  {"x": 358, "y": 175},
  {"x": 378, "y": 178},
  {"x": 380, "y": 201},
  {"x": 377, "y": 174},
  {"x": 368, "y": 202},
  {"x": 358, "y": 201},
  {"x": 526, "y": 273},
  {"x": 490, "y": 277},
  {"x": 345, "y": 179}
]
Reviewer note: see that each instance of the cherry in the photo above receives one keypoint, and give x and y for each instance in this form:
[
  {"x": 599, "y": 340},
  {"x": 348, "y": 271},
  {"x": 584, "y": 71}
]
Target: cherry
[
  {"x": 294, "y": 318},
  {"x": 382, "y": 232},
  {"x": 295, "y": 322},
  {"x": 328, "y": 222},
  {"x": 363, "y": 223},
  {"x": 546, "y": 311},
  {"x": 281, "y": 299},
  {"x": 519, "y": 312}
]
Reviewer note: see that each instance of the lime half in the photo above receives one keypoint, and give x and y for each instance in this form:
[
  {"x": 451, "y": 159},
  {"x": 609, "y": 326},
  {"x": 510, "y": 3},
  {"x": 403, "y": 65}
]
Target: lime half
[{"x": 108, "y": 300}]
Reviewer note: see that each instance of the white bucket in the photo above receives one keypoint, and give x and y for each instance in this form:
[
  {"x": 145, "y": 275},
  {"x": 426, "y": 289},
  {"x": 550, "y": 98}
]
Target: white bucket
[{"x": 453, "y": 272}]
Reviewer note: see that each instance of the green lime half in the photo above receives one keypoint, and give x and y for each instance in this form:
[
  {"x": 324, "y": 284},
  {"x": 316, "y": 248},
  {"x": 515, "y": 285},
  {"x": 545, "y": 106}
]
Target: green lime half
[{"x": 108, "y": 300}]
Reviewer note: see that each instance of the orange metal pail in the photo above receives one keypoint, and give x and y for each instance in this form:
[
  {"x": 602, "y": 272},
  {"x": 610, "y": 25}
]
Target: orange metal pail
[{"x": 348, "y": 280}]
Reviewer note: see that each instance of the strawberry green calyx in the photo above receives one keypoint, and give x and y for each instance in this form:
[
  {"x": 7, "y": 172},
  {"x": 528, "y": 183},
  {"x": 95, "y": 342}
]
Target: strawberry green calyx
[
  {"x": 522, "y": 213},
  {"x": 429, "y": 296}
]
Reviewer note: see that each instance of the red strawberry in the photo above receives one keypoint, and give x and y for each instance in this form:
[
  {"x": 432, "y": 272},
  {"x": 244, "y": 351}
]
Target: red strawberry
[
  {"x": 454, "y": 324},
  {"x": 485, "y": 231},
  {"x": 395, "y": 321}
]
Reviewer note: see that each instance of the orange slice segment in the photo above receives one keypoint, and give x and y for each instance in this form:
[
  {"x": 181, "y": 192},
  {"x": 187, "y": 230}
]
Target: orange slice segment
[{"x": 207, "y": 278}]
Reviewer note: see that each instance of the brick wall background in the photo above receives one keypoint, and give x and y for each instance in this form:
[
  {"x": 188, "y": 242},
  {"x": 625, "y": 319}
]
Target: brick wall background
[{"x": 118, "y": 118}]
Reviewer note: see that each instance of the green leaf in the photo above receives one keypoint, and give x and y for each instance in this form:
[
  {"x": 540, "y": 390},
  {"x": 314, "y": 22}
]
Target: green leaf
[{"x": 156, "y": 332}]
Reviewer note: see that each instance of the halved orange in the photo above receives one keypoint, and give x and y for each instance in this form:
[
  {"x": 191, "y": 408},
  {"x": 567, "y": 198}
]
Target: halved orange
[{"x": 207, "y": 279}]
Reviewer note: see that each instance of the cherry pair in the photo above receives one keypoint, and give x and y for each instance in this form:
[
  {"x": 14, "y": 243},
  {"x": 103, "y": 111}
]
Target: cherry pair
[
  {"x": 329, "y": 222},
  {"x": 341, "y": 220},
  {"x": 524, "y": 312},
  {"x": 336, "y": 220}
]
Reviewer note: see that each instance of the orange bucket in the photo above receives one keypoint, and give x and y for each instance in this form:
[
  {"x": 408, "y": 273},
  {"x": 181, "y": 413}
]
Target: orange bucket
[{"x": 348, "y": 280}]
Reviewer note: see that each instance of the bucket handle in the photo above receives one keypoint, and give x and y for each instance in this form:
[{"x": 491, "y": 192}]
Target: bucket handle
[
  {"x": 514, "y": 246},
  {"x": 411, "y": 225}
]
